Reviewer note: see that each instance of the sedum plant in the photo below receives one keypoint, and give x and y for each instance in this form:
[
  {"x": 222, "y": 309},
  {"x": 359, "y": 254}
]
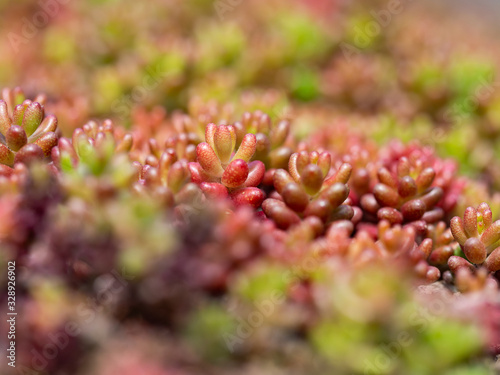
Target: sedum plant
[
  {"x": 405, "y": 196},
  {"x": 478, "y": 237},
  {"x": 309, "y": 189},
  {"x": 27, "y": 134},
  {"x": 205, "y": 234},
  {"x": 222, "y": 171}
]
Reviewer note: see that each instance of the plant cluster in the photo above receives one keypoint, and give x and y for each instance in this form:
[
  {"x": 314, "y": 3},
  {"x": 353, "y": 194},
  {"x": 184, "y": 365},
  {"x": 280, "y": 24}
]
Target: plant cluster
[
  {"x": 175, "y": 235},
  {"x": 246, "y": 197}
]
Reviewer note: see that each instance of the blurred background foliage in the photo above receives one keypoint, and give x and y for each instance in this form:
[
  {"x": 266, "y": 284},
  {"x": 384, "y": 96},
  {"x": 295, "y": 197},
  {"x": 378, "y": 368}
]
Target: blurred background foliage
[{"x": 430, "y": 74}]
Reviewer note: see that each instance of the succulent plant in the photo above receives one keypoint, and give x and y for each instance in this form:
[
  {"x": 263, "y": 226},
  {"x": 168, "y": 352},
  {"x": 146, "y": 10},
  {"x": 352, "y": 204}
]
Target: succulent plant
[
  {"x": 270, "y": 138},
  {"x": 222, "y": 172},
  {"x": 396, "y": 243},
  {"x": 478, "y": 237},
  {"x": 164, "y": 247},
  {"x": 92, "y": 144},
  {"x": 27, "y": 134},
  {"x": 443, "y": 244},
  {"x": 183, "y": 144},
  {"x": 168, "y": 179},
  {"x": 309, "y": 189},
  {"x": 405, "y": 195}
]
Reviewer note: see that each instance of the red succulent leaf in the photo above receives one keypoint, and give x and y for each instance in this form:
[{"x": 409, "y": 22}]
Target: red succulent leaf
[
  {"x": 425, "y": 178},
  {"x": 493, "y": 261},
  {"x": 32, "y": 117},
  {"x": 16, "y": 137},
  {"x": 295, "y": 197},
  {"x": 280, "y": 133},
  {"x": 386, "y": 195},
  {"x": 29, "y": 153},
  {"x": 210, "y": 134},
  {"x": 475, "y": 250},
  {"x": 46, "y": 142},
  {"x": 225, "y": 142},
  {"x": 280, "y": 179},
  {"x": 456, "y": 262},
  {"x": 236, "y": 174},
  {"x": 178, "y": 176},
  {"x": 336, "y": 194},
  {"x": 390, "y": 214},
  {"x": 342, "y": 175},
  {"x": 457, "y": 229},
  {"x": 198, "y": 175},
  {"x": 413, "y": 210},
  {"x": 214, "y": 190},
  {"x": 277, "y": 210},
  {"x": 407, "y": 187},
  {"x": 250, "y": 196},
  {"x": 247, "y": 148},
  {"x": 491, "y": 235},
  {"x": 470, "y": 222},
  {"x": 320, "y": 208},
  {"x": 209, "y": 160},
  {"x": 311, "y": 178},
  {"x": 256, "y": 172}
]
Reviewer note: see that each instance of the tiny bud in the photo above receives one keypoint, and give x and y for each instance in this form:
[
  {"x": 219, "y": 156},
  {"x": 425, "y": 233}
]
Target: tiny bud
[
  {"x": 486, "y": 214},
  {"x": 18, "y": 115}
]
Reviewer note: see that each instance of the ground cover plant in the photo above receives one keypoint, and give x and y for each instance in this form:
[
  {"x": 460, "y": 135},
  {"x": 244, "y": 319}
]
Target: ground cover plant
[{"x": 230, "y": 187}]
